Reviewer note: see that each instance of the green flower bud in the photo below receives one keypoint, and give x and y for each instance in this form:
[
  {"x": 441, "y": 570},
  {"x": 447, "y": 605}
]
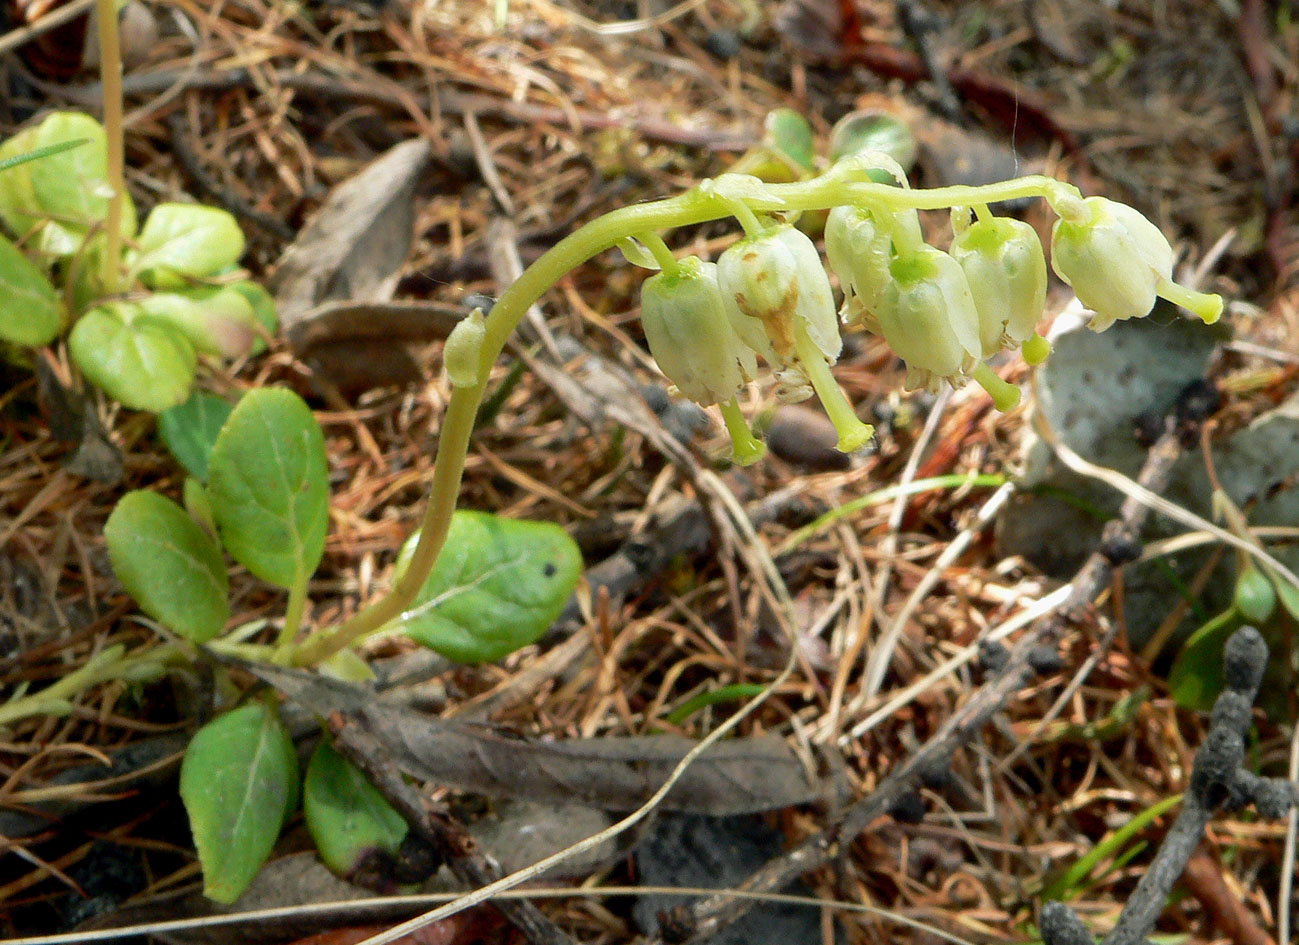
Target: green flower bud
[
  {"x": 1115, "y": 259},
  {"x": 773, "y": 284},
  {"x": 462, "y": 351},
  {"x": 1006, "y": 270},
  {"x": 927, "y": 316},
  {"x": 859, "y": 251},
  {"x": 690, "y": 335}
]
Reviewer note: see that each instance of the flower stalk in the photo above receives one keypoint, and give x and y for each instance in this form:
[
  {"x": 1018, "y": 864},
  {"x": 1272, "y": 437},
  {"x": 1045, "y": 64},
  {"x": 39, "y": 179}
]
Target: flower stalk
[{"x": 797, "y": 341}]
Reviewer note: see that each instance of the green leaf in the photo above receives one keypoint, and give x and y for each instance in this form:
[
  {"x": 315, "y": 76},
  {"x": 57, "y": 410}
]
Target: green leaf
[
  {"x": 873, "y": 131},
  {"x": 190, "y": 430},
  {"x": 1255, "y": 595},
  {"x": 268, "y": 481},
  {"x": 239, "y": 783},
  {"x": 788, "y": 132},
  {"x": 138, "y": 359},
  {"x": 170, "y": 565},
  {"x": 185, "y": 241},
  {"x": 347, "y": 817},
  {"x": 217, "y": 321},
  {"x": 30, "y": 311},
  {"x": 497, "y": 586},
  {"x": 66, "y": 192},
  {"x": 1196, "y": 677}
]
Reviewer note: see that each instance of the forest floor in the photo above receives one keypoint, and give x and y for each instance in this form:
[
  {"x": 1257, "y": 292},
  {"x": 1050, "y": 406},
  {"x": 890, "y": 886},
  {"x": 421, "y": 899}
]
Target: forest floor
[{"x": 541, "y": 115}]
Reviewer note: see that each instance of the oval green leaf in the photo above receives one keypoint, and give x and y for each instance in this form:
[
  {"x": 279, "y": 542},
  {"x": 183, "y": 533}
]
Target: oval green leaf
[
  {"x": 169, "y": 565},
  {"x": 143, "y": 362},
  {"x": 497, "y": 586},
  {"x": 1255, "y": 596},
  {"x": 268, "y": 482},
  {"x": 788, "y": 132},
  {"x": 872, "y": 130},
  {"x": 30, "y": 311},
  {"x": 66, "y": 191},
  {"x": 347, "y": 817},
  {"x": 185, "y": 241},
  {"x": 190, "y": 430},
  {"x": 239, "y": 783}
]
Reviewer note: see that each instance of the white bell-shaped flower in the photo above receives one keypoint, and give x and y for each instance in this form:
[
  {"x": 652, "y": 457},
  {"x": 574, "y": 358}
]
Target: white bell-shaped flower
[
  {"x": 1006, "y": 270},
  {"x": 928, "y": 317},
  {"x": 780, "y": 302},
  {"x": 1113, "y": 257},
  {"x": 1118, "y": 262},
  {"x": 690, "y": 333},
  {"x": 774, "y": 282},
  {"x": 859, "y": 250}
]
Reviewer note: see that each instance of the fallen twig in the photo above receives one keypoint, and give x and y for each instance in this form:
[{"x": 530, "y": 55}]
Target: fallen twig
[{"x": 1218, "y": 782}]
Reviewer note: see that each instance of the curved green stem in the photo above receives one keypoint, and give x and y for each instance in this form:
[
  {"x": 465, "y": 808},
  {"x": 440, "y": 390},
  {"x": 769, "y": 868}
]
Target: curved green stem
[
  {"x": 105, "y": 666},
  {"x": 695, "y": 206},
  {"x": 662, "y": 254},
  {"x": 293, "y": 612}
]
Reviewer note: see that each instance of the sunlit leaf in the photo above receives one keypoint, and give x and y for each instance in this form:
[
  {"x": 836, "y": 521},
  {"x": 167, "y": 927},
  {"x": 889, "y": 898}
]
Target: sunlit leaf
[
  {"x": 873, "y": 131},
  {"x": 497, "y": 586},
  {"x": 144, "y": 362},
  {"x": 185, "y": 241},
  {"x": 30, "y": 310},
  {"x": 788, "y": 132},
  {"x": 268, "y": 483}
]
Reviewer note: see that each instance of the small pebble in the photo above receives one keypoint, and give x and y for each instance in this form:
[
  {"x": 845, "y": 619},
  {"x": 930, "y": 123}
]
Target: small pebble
[
  {"x": 805, "y": 437},
  {"x": 724, "y": 44}
]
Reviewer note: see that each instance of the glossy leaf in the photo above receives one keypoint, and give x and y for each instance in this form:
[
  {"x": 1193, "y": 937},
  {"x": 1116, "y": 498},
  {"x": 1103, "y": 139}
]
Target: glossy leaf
[
  {"x": 1255, "y": 596},
  {"x": 169, "y": 564},
  {"x": 190, "y": 430},
  {"x": 873, "y": 131},
  {"x": 184, "y": 241},
  {"x": 140, "y": 360},
  {"x": 66, "y": 192},
  {"x": 497, "y": 586},
  {"x": 30, "y": 311},
  {"x": 347, "y": 817},
  {"x": 217, "y": 321},
  {"x": 788, "y": 132},
  {"x": 239, "y": 782},
  {"x": 269, "y": 487}
]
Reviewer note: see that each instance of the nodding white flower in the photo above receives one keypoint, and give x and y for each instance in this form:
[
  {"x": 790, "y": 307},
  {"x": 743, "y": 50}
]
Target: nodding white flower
[
  {"x": 1006, "y": 270},
  {"x": 690, "y": 334},
  {"x": 928, "y": 317},
  {"x": 1116, "y": 260},
  {"x": 774, "y": 283},
  {"x": 780, "y": 302},
  {"x": 858, "y": 249}
]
